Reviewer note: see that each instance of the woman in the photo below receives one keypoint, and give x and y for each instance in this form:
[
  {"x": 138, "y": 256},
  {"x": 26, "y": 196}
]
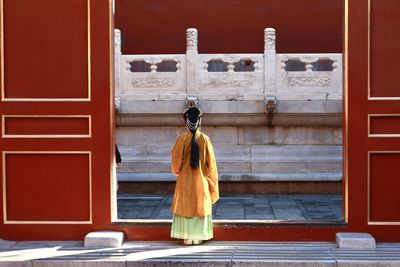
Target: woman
[{"x": 196, "y": 188}]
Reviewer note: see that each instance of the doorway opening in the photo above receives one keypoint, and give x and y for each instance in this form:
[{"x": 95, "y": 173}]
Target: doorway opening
[{"x": 273, "y": 112}]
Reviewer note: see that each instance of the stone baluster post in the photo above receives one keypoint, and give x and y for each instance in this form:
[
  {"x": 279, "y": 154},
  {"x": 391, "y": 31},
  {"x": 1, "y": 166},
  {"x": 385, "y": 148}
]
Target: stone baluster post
[
  {"x": 117, "y": 67},
  {"x": 269, "y": 61},
  {"x": 309, "y": 66},
  {"x": 191, "y": 61}
]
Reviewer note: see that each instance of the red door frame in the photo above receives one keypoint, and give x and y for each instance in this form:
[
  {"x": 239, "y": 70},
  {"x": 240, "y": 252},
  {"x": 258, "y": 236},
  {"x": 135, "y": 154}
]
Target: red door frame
[
  {"x": 356, "y": 146},
  {"x": 254, "y": 231}
]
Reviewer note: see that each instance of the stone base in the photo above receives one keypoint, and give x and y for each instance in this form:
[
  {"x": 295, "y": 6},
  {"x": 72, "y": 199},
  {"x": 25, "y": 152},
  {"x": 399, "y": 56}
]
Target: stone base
[
  {"x": 231, "y": 120},
  {"x": 355, "y": 241},
  {"x": 238, "y": 187},
  {"x": 104, "y": 239}
]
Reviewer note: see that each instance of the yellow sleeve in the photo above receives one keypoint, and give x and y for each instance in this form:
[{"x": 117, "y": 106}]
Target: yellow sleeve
[
  {"x": 212, "y": 174},
  {"x": 177, "y": 156}
]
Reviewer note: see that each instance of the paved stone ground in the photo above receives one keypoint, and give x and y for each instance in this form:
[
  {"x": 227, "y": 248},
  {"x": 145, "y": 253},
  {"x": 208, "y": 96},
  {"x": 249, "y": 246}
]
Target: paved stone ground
[
  {"x": 209, "y": 254},
  {"x": 239, "y": 207}
]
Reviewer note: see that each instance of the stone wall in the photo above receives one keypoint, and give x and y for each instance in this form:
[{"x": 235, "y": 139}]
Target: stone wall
[
  {"x": 238, "y": 136},
  {"x": 244, "y": 153}
]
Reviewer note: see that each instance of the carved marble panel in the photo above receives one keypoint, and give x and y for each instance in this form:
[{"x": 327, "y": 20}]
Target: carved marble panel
[
  {"x": 231, "y": 81},
  {"x": 311, "y": 78},
  {"x": 308, "y": 81},
  {"x": 170, "y": 79},
  {"x": 153, "y": 82}
]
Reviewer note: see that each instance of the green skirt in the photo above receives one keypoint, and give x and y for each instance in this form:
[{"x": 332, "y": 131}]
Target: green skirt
[{"x": 194, "y": 228}]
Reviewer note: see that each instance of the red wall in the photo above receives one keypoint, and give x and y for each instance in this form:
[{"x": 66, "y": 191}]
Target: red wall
[{"x": 234, "y": 26}]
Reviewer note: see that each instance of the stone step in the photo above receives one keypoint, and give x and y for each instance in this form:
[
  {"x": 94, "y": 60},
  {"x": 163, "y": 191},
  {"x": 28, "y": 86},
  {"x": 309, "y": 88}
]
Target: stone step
[
  {"x": 233, "y": 135},
  {"x": 265, "y": 177},
  {"x": 241, "y": 153},
  {"x": 297, "y": 153},
  {"x": 228, "y": 107},
  {"x": 294, "y": 166},
  {"x": 231, "y": 120},
  {"x": 210, "y": 253},
  {"x": 242, "y": 159},
  {"x": 241, "y": 166}
]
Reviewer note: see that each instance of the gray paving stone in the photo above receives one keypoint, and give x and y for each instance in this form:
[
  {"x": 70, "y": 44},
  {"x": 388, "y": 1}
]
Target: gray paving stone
[
  {"x": 241, "y": 174},
  {"x": 259, "y": 217},
  {"x": 252, "y": 207},
  {"x": 6, "y": 243},
  {"x": 5, "y": 263},
  {"x": 212, "y": 253},
  {"x": 26, "y": 245},
  {"x": 78, "y": 263},
  {"x": 368, "y": 263}
]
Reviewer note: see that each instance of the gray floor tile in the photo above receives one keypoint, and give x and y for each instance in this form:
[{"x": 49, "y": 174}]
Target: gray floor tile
[{"x": 239, "y": 207}]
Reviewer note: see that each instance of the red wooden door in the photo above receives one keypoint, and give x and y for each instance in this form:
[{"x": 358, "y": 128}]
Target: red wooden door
[
  {"x": 57, "y": 118},
  {"x": 373, "y": 110},
  {"x": 57, "y": 125}
]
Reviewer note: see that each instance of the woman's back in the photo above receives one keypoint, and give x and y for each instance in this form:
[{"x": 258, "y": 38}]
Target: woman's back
[
  {"x": 192, "y": 192},
  {"x": 196, "y": 188}
]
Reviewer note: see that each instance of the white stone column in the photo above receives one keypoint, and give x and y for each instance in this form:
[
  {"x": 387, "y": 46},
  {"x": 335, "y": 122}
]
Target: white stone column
[
  {"x": 269, "y": 61},
  {"x": 117, "y": 67},
  {"x": 191, "y": 61}
]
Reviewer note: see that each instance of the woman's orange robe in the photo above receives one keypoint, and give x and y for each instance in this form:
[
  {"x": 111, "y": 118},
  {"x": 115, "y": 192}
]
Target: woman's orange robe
[{"x": 195, "y": 189}]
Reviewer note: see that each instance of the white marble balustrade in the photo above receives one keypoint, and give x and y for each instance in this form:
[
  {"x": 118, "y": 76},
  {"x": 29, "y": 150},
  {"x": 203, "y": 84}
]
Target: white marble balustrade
[
  {"x": 227, "y": 76},
  {"x": 153, "y": 81},
  {"x": 313, "y": 81},
  {"x": 231, "y": 81}
]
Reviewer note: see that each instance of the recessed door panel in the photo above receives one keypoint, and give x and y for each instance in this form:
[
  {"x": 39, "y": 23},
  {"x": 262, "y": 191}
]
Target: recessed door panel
[
  {"x": 384, "y": 48},
  {"x": 46, "y": 49}
]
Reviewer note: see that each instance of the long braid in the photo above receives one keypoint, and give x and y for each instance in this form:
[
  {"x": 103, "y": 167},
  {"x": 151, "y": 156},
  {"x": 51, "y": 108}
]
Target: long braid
[
  {"x": 193, "y": 118},
  {"x": 194, "y": 152}
]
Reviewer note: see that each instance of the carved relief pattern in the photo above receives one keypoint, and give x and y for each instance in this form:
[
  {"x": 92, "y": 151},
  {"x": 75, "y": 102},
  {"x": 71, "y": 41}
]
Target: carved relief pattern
[
  {"x": 270, "y": 104},
  {"x": 153, "y": 83},
  {"x": 117, "y": 38},
  {"x": 308, "y": 81},
  {"x": 224, "y": 82},
  {"x": 117, "y": 103},
  {"x": 191, "y": 39},
  {"x": 269, "y": 39}
]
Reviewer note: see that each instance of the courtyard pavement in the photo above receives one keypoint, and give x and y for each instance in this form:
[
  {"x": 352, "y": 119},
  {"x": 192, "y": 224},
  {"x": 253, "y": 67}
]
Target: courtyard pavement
[
  {"x": 209, "y": 254},
  {"x": 239, "y": 207}
]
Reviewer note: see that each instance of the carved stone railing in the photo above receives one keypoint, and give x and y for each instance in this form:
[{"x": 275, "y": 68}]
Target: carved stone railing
[
  {"x": 309, "y": 76},
  {"x": 141, "y": 74},
  {"x": 229, "y": 78},
  {"x": 221, "y": 76}
]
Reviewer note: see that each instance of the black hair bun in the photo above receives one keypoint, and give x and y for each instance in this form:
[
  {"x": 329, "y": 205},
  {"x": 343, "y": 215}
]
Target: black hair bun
[{"x": 193, "y": 114}]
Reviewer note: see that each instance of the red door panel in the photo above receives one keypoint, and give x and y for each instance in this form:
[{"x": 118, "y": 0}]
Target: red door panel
[
  {"x": 57, "y": 118},
  {"x": 373, "y": 110},
  {"x": 29, "y": 191},
  {"x": 46, "y": 51},
  {"x": 384, "y": 47},
  {"x": 383, "y": 187}
]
